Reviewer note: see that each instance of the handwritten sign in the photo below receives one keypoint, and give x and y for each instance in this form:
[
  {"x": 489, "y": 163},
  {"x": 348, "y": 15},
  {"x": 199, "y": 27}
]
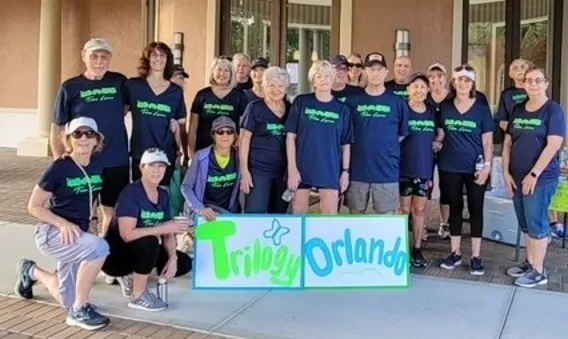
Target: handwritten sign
[
  {"x": 248, "y": 252},
  {"x": 560, "y": 199},
  {"x": 240, "y": 251},
  {"x": 365, "y": 251}
]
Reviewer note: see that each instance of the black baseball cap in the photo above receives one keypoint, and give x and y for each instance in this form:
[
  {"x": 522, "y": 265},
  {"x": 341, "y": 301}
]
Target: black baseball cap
[
  {"x": 260, "y": 62},
  {"x": 375, "y": 58},
  {"x": 339, "y": 60},
  {"x": 178, "y": 69},
  {"x": 419, "y": 76}
]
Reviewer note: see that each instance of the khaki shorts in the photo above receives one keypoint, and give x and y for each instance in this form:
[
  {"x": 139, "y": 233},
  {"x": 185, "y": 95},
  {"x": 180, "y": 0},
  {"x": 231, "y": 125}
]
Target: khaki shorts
[{"x": 385, "y": 197}]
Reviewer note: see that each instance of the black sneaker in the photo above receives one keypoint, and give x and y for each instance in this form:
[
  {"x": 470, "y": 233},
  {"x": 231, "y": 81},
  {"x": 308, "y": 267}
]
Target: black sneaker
[
  {"x": 517, "y": 271},
  {"x": 24, "y": 282},
  {"x": 418, "y": 259},
  {"x": 451, "y": 261},
  {"x": 87, "y": 318},
  {"x": 476, "y": 266}
]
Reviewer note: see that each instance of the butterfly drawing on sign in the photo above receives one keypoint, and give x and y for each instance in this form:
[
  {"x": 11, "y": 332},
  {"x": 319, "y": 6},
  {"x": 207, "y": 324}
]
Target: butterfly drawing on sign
[{"x": 276, "y": 232}]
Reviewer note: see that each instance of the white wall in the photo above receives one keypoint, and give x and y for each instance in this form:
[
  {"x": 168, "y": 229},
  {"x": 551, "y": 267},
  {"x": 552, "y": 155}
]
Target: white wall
[{"x": 16, "y": 126}]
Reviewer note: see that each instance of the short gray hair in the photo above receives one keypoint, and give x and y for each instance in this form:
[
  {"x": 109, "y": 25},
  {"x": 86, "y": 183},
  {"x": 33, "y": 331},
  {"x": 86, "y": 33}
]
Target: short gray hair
[
  {"x": 320, "y": 66},
  {"x": 222, "y": 63},
  {"x": 242, "y": 56},
  {"x": 276, "y": 73}
]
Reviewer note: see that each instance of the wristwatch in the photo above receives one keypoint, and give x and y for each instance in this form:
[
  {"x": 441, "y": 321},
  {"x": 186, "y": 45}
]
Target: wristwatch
[{"x": 347, "y": 170}]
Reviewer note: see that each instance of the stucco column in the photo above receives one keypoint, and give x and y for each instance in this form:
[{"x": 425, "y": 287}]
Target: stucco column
[
  {"x": 49, "y": 77},
  {"x": 305, "y": 61}
]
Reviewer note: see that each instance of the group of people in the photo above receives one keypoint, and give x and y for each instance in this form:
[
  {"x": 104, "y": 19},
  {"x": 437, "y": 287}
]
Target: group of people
[{"x": 356, "y": 138}]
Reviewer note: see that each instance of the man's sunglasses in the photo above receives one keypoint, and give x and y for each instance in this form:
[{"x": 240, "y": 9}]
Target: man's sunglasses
[
  {"x": 225, "y": 131},
  {"x": 351, "y": 65},
  {"x": 88, "y": 134}
]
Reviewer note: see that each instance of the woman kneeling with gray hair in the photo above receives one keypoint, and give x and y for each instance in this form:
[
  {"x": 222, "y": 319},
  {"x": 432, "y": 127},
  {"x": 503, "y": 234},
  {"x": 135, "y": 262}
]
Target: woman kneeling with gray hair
[
  {"x": 263, "y": 146},
  {"x": 63, "y": 202}
]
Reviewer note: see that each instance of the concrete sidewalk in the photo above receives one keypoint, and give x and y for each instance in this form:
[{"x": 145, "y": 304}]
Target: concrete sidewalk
[{"x": 432, "y": 308}]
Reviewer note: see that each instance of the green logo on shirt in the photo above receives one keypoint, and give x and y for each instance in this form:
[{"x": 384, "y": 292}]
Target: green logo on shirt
[
  {"x": 275, "y": 129},
  {"x": 456, "y": 125},
  {"x": 218, "y": 109},
  {"x": 421, "y": 125},
  {"x": 401, "y": 93},
  {"x": 150, "y": 218},
  {"x": 518, "y": 98},
  {"x": 80, "y": 185},
  {"x": 221, "y": 181},
  {"x": 98, "y": 94},
  {"x": 322, "y": 116},
  {"x": 374, "y": 111},
  {"x": 526, "y": 124},
  {"x": 342, "y": 99},
  {"x": 154, "y": 109}
]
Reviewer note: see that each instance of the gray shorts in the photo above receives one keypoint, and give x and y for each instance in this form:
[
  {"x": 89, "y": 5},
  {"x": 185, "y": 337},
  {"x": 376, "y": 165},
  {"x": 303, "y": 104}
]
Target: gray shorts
[
  {"x": 385, "y": 197},
  {"x": 87, "y": 247}
]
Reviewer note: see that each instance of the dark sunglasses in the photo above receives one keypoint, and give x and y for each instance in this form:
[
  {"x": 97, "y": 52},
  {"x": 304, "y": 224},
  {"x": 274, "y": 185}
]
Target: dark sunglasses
[
  {"x": 88, "y": 134},
  {"x": 351, "y": 65},
  {"x": 462, "y": 67},
  {"x": 225, "y": 131}
]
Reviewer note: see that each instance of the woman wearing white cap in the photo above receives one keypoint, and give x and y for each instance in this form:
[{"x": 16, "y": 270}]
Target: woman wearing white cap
[
  {"x": 466, "y": 131},
  {"x": 211, "y": 184},
  {"x": 143, "y": 218},
  {"x": 63, "y": 201}
]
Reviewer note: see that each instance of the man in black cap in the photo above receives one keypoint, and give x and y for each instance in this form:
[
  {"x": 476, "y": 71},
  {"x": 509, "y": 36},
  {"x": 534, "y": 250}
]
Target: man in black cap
[
  {"x": 340, "y": 88},
  {"x": 379, "y": 118},
  {"x": 259, "y": 65}
]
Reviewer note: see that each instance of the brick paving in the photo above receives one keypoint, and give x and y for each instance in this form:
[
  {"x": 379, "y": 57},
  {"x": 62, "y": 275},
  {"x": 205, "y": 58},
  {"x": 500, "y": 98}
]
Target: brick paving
[
  {"x": 27, "y": 319},
  {"x": 19, "y": 174}
]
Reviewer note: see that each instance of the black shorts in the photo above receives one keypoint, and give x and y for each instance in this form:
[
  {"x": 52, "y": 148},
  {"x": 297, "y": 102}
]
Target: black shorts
[
  {"x": 115, "y": 179},
  {"x": 136, "y": 174},
  {"x": 415, "y": 187}
]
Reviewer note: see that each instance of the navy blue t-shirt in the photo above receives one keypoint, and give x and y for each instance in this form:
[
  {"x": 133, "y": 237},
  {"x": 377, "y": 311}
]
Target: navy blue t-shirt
[
  {"x": 417, "y": 155},
  {"x": 208, "y": 106},
  {"x": 348, "y": 91},
  {"x": 321, "y": 129},
  {"x": 397, "y": 89},
  {"x": 133, "y": 202},
  {"x": 244, "y": 85},
  {"x": 378, "y": 122},
  {"x": 463, "y": 136},
  {"x": 529, "y": 132},
  {"x": 220, "y": 181},
  {"x": 151, "y": 116},
  {"x": 103, "y": 101},
  {"x": 267, "y": 155},
  {"x": 70, "y": 189},
  {"x": 509, "y": 98},
  {"x": 249, "y": 94}
]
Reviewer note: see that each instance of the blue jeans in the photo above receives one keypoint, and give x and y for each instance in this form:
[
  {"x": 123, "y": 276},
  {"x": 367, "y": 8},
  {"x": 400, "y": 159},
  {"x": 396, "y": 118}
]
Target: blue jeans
[
  {"x": 266, "y": 196},
  {"x": 532, "y": 210}
]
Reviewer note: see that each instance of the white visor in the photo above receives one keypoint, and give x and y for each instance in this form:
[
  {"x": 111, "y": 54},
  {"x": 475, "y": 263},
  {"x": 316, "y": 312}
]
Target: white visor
[
  {"x": 465, "y": 73},
  {"x": 152, "y": 156}
]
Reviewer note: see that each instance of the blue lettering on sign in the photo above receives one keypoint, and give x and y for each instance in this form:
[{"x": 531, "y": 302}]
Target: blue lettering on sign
[{"x": 348, "y": 252}]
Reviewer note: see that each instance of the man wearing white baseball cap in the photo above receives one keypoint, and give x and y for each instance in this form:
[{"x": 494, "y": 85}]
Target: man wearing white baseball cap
[
  {"x": 143, "y": 216},
  {"x": 97, "y": 93}
]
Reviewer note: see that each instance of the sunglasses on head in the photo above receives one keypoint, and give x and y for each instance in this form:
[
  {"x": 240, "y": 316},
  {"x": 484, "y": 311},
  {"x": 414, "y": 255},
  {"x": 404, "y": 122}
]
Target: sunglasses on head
[
  {"x": 225, "y": 131},
  {"x": 358, "y": 65},
  {"x": 466, "y": 67},
  {"x": 88, "y": 134}
]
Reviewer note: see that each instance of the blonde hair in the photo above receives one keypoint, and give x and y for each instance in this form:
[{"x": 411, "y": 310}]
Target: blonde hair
[
  {"x": 220, "y": 63},
  {"x": 241, "y": 56},
  {"x": 320, "y": 66},
  {"x": 276, "y": 73},
  {"x": 68, "y": 146}
]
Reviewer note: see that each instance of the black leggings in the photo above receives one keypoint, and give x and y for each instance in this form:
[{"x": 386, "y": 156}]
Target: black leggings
[
  {"x": 452, "y": 184},
  {"x": 140, "y": 256}
]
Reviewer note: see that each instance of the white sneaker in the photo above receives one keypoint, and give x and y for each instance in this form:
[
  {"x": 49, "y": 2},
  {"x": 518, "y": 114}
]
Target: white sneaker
[{"x": 109, "y": 280}]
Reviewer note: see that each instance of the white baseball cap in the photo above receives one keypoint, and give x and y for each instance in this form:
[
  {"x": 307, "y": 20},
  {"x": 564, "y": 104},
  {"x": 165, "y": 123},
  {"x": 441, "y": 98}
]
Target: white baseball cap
[
  {"x": 79, "y": 122},
  {"x": 97, "y": 44},
  {"x": 437, "y": 66},
  {"x": 154, "y": 155}
]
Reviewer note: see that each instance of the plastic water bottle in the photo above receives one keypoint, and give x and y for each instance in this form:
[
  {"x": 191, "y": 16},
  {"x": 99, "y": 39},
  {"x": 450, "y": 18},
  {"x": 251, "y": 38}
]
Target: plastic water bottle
[
  {"x": 162, "y": 290},
  {"x": 288, "y": 195},
  {"x": 479, "y": 164}
]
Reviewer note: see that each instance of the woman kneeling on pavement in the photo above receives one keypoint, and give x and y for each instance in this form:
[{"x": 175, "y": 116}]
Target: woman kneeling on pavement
[
  {"x": 211, "y": 185},
  {"x": 63, "y": 201},
  {"x": 143, "y": 235}
]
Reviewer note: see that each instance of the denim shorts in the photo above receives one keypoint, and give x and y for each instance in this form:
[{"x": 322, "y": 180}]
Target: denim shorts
[{"x": 532, "y": 210}]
